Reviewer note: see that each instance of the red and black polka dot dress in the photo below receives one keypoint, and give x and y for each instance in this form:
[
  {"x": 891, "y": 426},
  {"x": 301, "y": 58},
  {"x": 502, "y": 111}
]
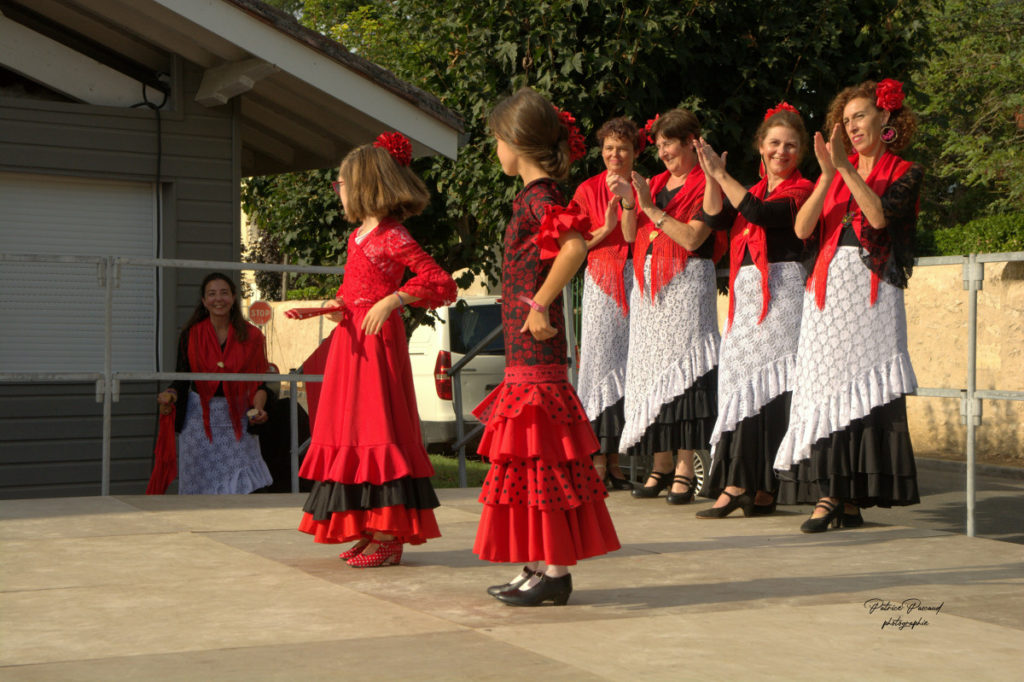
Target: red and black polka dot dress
[{"x": 542, "y": 499}]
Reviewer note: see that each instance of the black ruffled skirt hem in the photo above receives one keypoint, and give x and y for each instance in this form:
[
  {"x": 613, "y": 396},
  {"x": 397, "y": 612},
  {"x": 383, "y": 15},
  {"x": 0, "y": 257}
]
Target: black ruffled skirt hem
[
  {"x": 684, "y": 423},
  {"x": 608, "y": 426},
  {"x": 745, "y": 455},
  {"x": 870, "y": 463},
  {"x": 330, "y": 497}
]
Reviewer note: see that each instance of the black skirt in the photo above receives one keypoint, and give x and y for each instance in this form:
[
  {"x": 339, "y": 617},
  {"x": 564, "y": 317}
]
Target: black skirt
[
  {"x": 684, "y": 423},
  {"x": 869, "y": 463},
  {"x": 608, "y": 426},
  {"x": 745, "y": 455}
]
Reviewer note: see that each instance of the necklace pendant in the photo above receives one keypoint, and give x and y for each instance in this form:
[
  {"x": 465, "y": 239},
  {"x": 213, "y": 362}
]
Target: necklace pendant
[
  {"x": 654, "y": 233},
  {"x": 220, "y": 364},
  {"x": 847, "y": 219}
]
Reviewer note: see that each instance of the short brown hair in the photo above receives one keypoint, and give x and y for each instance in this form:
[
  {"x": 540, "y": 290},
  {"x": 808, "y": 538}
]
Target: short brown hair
[
  {"x": 622, "y": 128},
  {"x": 680, "y": 124},
  {"x": 794, "y": 122},
  {"x": 378, "y": 186},
  {"x": 904, "y": 120},
  {"x": 529, "y": 124}
]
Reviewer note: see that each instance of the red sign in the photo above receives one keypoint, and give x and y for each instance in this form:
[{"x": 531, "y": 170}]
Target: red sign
[{"x": 260, "y": 313}]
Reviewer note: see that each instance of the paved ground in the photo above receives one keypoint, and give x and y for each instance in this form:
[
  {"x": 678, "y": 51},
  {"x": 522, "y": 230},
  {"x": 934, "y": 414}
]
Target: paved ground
[{"x": 224, "y": 588}]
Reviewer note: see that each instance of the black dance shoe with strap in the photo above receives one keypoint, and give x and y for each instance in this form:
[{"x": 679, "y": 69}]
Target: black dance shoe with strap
[
  {"x": 742, "y": 501},
  {"x": 831, "y": 518},
  {"x": 662, "y": 480},
  {"x": 495, "y": 590},
  {"x": 685, "y": 497},
  {"x": 613, "y": 483},
  {"x": 556, "y": 590}
]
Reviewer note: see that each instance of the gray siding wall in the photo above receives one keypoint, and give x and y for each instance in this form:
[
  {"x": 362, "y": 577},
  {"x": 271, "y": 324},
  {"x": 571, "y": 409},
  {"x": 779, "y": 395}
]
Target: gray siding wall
[{"x": 51, "y": 434}]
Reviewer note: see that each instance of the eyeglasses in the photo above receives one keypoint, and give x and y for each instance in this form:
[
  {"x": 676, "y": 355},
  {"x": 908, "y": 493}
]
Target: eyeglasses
[{"x": 336, "y": 186}]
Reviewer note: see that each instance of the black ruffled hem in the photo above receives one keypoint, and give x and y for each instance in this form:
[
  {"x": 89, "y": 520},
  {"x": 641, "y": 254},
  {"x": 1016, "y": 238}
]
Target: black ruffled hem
[
  {"x": 608, "y": 426},
  {"x": 744, "y": 456},
  {"x": 330, "y": 497},
  {"x": 684, "y": 423},
  {"x": 870, "y": 463}
]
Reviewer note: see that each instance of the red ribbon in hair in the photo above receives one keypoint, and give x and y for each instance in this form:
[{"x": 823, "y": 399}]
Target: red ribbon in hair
[
  {"x": 746, "y": 235},
  {"x": 577, "y": 145},
  {"x": 840, "y": 206},
  {"x": 781, "y": 106},
  {"x": 237, "y": 357}
]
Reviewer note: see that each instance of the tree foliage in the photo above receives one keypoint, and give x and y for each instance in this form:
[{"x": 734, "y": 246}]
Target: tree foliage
[
  {"x": 972, "y": 120},
  {"x": 728, "y": 60}
]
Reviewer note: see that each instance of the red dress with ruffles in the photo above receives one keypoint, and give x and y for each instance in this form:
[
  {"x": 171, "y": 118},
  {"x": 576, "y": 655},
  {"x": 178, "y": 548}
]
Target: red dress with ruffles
[
  {"x": 367, "y": 460},
  {"x": 543, "y": 500}
]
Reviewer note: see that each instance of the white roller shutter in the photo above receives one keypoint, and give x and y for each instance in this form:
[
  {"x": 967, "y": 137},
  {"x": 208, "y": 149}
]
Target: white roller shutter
[{"x": 52, "y": 315}]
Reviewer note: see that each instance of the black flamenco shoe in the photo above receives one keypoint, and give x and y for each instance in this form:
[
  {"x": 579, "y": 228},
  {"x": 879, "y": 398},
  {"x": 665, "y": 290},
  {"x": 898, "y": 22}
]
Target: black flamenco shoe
[
  {"x": 495, "y": 590},
  {"x": 851, "y": 520},
  {"x": 681, "y": 498},
  {"x": 763, "y": 509},
  {"x": 613, "y": 483},
  {"x": 742, "y": 501},
  {"x": 662, "y": 480},
  {"x": 821, "y": 524},
  {"x": 556, "y": 590}
]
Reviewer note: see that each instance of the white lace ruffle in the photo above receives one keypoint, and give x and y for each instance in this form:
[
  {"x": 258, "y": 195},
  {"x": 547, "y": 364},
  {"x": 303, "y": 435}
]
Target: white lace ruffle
[
  {"x": 874, "y": 388},
  {"x": 604, "y": 348},
  {"x": 772, "y": 381},
  {"x": 676, "y": 378}
]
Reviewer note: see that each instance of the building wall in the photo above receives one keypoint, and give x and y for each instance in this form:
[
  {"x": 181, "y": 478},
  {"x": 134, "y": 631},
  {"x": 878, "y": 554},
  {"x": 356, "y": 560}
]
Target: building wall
[{"x": 51, "y": 435}]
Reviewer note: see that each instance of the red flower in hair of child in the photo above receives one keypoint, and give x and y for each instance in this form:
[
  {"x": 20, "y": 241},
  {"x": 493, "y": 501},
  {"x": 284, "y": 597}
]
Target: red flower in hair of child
[
  {"x": 577, "y": 145},
  {"x": 781, "y": 106},
  {"x": 889, "y": 95},
  {"x": 648, "y": 126},
  {"x": 397, "y": 145}
]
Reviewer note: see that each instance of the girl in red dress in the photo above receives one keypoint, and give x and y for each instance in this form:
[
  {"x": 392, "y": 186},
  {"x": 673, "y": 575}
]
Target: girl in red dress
[
  {"x": 371, "y": 473},
  {"x": 543, "y": 500}
]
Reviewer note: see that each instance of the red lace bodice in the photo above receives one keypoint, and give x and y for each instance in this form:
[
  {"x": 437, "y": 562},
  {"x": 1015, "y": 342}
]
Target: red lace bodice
[{"x": 376, "y": 265}]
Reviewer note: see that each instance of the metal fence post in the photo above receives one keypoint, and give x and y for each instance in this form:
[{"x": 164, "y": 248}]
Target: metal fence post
[
  {"x": 293, "y": 435},
  {"x": 974, "y": 275},
  {"x": 108, "y": 383}
]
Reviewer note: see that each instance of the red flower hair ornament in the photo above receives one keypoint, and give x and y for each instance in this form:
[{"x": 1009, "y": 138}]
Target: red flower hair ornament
[
  {"x": 781, "y": 106},
  {"x": 577, "y": 145},
  {"x": 397, "y": 145},
  {"x": 648, "y": 126},
  {"x": 889, "y": 95}
]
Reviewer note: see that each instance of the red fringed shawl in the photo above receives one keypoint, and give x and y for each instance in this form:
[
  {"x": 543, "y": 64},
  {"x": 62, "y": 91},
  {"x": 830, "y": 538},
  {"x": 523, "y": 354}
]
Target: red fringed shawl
[
  {"x": 841, "y": 209},
  {"x": 747, "y": 235},
  {"x": 667, "y": 257},
  {"x": 606, "y": 260},
  {"x": 206, "y": 355}
]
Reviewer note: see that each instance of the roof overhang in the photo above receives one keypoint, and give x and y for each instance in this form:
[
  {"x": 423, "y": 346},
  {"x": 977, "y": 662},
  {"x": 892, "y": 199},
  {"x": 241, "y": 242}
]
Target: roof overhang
[{"x": 304, "y": 100}]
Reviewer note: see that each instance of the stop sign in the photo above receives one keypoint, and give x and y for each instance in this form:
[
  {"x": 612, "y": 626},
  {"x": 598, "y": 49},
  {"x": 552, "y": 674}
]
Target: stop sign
[{"x": 260, "y": 313}]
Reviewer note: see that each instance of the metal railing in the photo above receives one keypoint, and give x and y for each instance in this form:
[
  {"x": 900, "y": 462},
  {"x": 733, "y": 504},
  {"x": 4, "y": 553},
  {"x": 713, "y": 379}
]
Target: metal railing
[{"x": 108, "y": 381}]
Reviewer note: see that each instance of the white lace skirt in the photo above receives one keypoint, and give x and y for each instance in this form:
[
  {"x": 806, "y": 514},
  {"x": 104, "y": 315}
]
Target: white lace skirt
[
  {"x": 851, "y": 357},
  {"x": 757, "y": 362},
  {"x": 224, "y": 466},
  {"x": 604, "y": 347},
  {"x": 672, "y": 343}
]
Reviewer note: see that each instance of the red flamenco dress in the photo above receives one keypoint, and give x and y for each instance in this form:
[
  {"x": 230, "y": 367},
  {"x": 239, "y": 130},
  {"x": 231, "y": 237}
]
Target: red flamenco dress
[
  {"x": 543, "y": 500},
  {"x": 367, "y": 461}
]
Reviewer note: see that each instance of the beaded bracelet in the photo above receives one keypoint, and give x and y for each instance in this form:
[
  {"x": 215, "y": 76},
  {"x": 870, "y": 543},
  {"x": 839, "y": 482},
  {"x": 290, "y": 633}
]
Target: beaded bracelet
[{"x": 401, "y": 303}]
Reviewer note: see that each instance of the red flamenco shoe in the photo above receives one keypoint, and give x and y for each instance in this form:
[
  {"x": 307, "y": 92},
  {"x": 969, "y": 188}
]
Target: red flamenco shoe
[
  {"x": 354, "y": 550},
  {"x": 389, "y": 553}
]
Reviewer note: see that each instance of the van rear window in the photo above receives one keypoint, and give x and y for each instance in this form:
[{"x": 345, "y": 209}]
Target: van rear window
[{"x": 470, "y": 324}]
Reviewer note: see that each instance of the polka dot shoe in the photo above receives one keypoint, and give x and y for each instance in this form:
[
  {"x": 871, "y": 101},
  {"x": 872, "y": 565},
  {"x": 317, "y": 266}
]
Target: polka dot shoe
[{"x": 388, "y": 553}]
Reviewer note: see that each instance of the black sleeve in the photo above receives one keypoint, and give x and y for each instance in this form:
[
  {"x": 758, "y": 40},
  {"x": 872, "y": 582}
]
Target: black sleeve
[
  {"x": 771, "y": 214},
  {"x": 722, "y": 220},
  {"x": 890, "y": 251}
]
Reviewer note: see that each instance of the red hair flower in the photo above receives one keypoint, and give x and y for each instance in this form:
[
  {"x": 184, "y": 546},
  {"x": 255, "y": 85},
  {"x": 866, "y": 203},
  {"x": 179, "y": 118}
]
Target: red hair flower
[
  {"x": 577, "y": 145},
  {"x": 397, "y": 145},
  {"x": 889, "y": 95},
  {"x": 781, "y": 106},
  {"x": 648, "y": 126}
]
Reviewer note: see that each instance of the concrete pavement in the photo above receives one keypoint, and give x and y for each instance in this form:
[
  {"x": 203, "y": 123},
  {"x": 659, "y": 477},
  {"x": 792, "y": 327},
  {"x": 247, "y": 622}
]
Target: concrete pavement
[{"x": 224, "y": 588}]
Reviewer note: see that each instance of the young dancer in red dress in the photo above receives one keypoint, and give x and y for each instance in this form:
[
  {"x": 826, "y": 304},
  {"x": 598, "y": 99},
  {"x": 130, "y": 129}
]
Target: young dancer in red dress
[
  {"x": 543, "y": 500},
  {"x": 371, "y": 472}
]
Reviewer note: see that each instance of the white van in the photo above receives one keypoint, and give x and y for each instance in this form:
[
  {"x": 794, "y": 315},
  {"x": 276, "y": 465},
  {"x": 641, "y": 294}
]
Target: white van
[{"x": 433, "y": 350}]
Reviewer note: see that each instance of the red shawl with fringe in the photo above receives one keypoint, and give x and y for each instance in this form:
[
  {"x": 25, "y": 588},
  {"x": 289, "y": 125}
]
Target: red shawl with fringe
[
  {"x": 206, "y": 355},
  {"x": 607, "y": 259},
  {"x": 667, "y": 257},
  {"x": 841, "y": 209},
  {"x": 746, "y": 235}
]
